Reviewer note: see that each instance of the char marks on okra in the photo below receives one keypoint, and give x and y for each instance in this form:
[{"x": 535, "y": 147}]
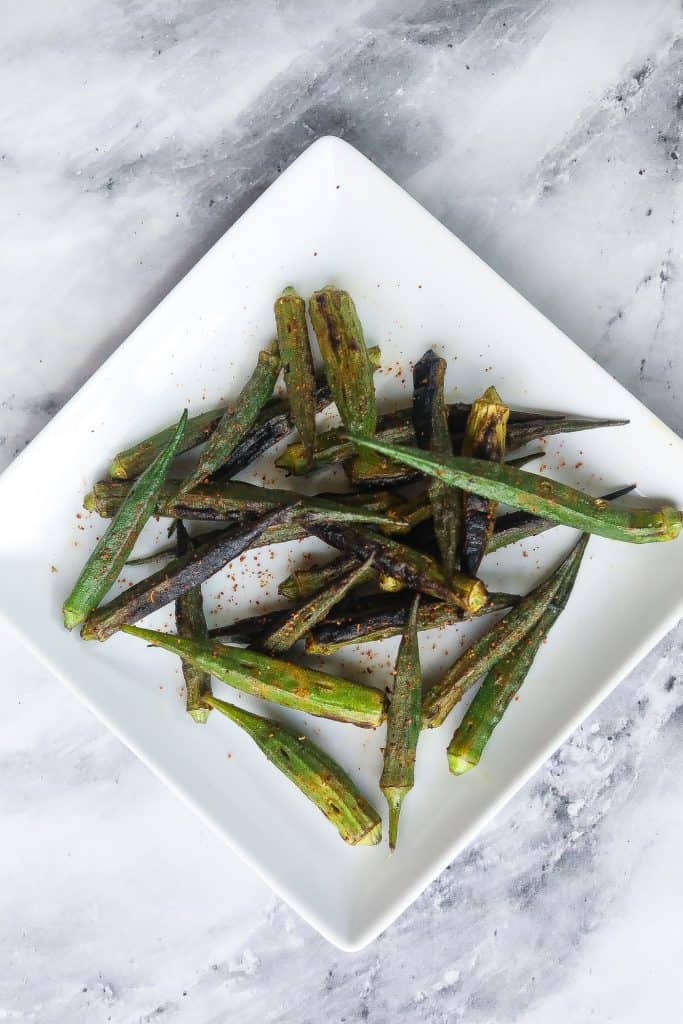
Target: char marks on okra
[
  {"x": 190, "y": 622},
  {"x": 485, "y": 434}
]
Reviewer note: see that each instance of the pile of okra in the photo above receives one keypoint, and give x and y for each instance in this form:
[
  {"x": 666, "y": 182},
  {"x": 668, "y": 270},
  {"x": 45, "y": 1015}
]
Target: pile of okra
[{"x": 420, "y": 515}]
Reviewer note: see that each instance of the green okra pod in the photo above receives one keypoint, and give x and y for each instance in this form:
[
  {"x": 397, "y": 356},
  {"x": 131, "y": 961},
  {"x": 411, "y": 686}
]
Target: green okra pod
[
  {"x": 404, "y": 721},
  {"x": 191, "y": 622},
  {"x": 292, "y": 686},
  {"x": 347, "y": 367},
  {"x": 540, "y": 496},
  {"x": 297, "y": 363},
  {"x": 487, "y": 651},
  {"x": 180, "y": 574},
  {"x": 301, "y": 620},
  {"x": 430, "y": 420},
  {"x": 304, "y": 583},
  {"x": 485, "y": 435},
  {"x": 414, "y": 569},
  {"x": 312, "y": 771},
  {"x": 381, "y": 616},
  {"x": 111, "y": 552},
  {"x": 504, "y": 680},
  {"x": 236, "y": 500},
  {"x": 237, "y": 420}
]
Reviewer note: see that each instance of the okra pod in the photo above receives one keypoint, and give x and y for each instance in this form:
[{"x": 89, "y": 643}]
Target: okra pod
[
  {"x": 547, "y": 498},
  {"x": 381, "y": 616},
  {"x": 404, "y": 720},
  {"x": 504, "y": 680},
  {"x": 430, "y": 420},
  {"x": 304, "y": 583},
  {"x": 485, "y": 435},
  {"x": 236, "y": 500},
  {"x": 291, "y": 686},
  {"x": 320, "y": 779},
  {"x": 487, "y": 651},
  {"x": 297, "y": 364},
  {"x": 301, "y": 620},
  {"x": 236, "y": 421},
  {"x": 191, "y": 622},
  {"x": 179, "y": 575},
  {"x": 417, "y": 571},
  {"x": 333, "y": 446},
  {"x": 111, "y": 552}
]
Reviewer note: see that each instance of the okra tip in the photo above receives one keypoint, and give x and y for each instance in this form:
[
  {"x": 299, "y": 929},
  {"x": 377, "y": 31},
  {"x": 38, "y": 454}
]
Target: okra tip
[{"x": 394, "y": 797}]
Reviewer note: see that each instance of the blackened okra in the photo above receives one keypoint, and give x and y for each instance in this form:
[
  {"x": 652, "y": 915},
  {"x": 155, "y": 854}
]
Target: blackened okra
[
  {"x": 297, "y": 364},
  {"x": 430, "y": 421},
  {"x": 179, "y": 575},
  {"x": 381, "y": 616},
  {"x": 299, "y": 621},
  {"x": 333, "y": 446},
  {"x": 292, "y": 686},
  {"x": 488, "y": 649},
  {"x": 112, "y": 550},
  {"x": 312, "y": 771},
  {"x": 236, "y": 500},
  {"x": 485, "y": 435},
  {"x": 347, "y": 367},
  {"x": 504, "y": 680},
  {"x": 417, "y": 571},
  {"x": 541, "y": 496},
  {"x": 404, "y": 720},
  {"x": 191, "y": 622}
]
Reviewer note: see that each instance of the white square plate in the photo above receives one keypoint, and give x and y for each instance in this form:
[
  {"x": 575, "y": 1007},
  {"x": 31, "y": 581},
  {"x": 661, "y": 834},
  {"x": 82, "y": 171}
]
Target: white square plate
[{"x": 333, "y": 217}]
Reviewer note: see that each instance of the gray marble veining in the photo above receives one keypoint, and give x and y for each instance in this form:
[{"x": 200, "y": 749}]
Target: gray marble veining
[{"x": 132, "y": 133}]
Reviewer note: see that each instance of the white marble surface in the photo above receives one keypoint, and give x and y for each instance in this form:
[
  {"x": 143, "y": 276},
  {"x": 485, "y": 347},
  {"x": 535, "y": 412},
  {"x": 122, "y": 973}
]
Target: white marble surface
[{"x": 547, "y": 135}]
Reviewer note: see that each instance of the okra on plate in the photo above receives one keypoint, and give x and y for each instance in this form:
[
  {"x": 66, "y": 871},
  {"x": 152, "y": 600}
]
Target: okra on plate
[
  {"x": 540, "y": 496},
  {"x": 485, "y": 436},
  {"x": 111, "y": 552},
  {"x": 191, "y": 622},
  {"x": 297, "y": 364},
  {"x": 292, "y": 686},
  {"x": 312, "y": 771},
  {"x": 504, "y": 680}
]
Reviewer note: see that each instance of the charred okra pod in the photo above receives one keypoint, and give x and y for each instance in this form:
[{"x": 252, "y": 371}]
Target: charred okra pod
[
  {"x": 485, "y": 435},
  {"x": 190, "y": 622},
  {"x": 297, "y": 363},
  {"x": 347, "y": 367},
  {"x": 417, "y": 571},
  {"x": 312, "y": 771},
  {"x": 404, "y": 721},
  {"x": 487, "y": 651},
  {"x": 237, "y": 421},
  {"x": 292, "y": 686},
  {"x": 430, "y": 420},
  {"x": 179, "y": 575},
  {"x": 381, "y": 616},
  {"x": 540, "y": 496},
  {"x": 301, "y": 620},
  {"x": 504, "y": 680},
  {"x": 111, "y": 552}
]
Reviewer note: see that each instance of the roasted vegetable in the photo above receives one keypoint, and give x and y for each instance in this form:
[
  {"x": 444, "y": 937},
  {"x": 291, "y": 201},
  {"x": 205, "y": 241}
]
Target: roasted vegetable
[
  {"x": 312, "y": 771},
  {"x": 179, "y": 575},
  {"x": 381, "y": 616},
  {"x": 504, "y": 680},
  {"x": 237, "y": 420},
  {"x": 430, "y": 420},
  {"x": 111, "y": 552},
  {"x": 292, "y": 686},
  {"x": 417, "y": 571},
  {"x": 487, "y": 651},
  {"x": 485, "y": 435},
  {"x": 301, "y": 620},
  {"x": 404, "y": 720},
  {"x": 547, "y": 498},
  {"x": 190, "y": 622},
  {"x": 297, "y": 363},
  {"x": 347, "y": 367}
]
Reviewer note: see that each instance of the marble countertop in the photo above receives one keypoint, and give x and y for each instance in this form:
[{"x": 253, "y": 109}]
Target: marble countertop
[{"x": 547, "y": 135}]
